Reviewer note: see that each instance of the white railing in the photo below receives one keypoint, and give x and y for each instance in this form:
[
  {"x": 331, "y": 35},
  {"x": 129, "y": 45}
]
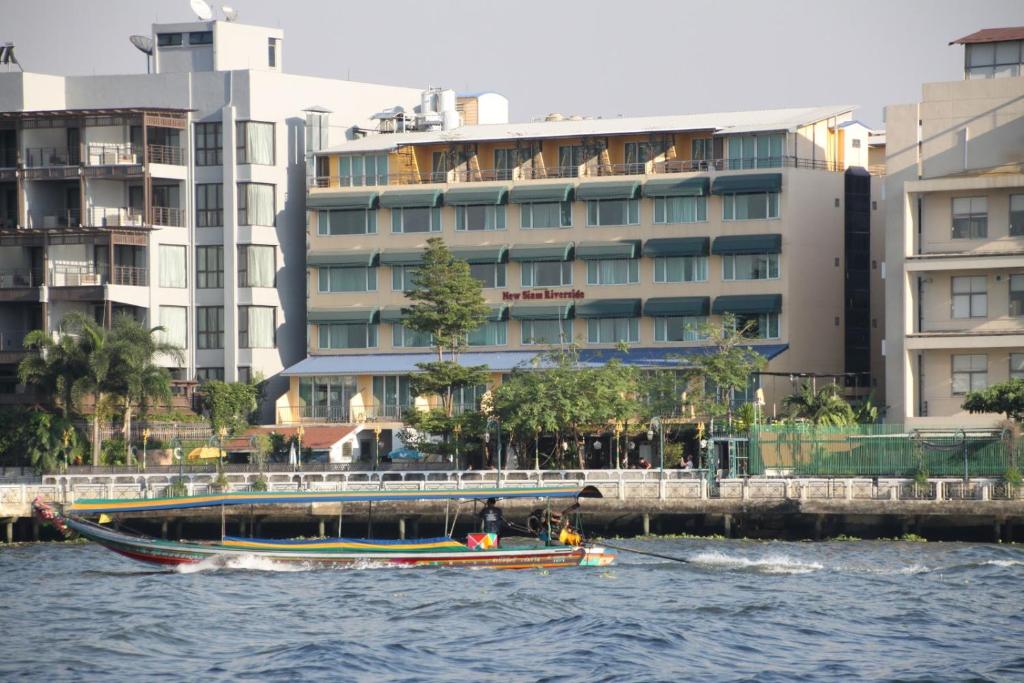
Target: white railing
[{"x": 111, "y": 154}]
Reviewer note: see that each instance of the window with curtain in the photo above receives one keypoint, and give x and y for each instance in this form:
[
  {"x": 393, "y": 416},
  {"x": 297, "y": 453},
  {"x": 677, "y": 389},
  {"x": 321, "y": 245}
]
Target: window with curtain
[
  {"x": 970, "y": 218},
  {"x": 745, "y": 207},
  {"x": 347, "y": 336},
  {"x": 479, "y": 217},
  {"x": 492, "y": 333},
  {"x": 489, "y": 275},
  {"x": 619, "y": 271},
  {"x": 679, "y": 328},
  {"x": 613, "y": 330},
  {"x": 416, "y": 219},
  {"x": 671, "y": 210},
  {"x": 209, "y": 205},
  {"x": 546, "y": 273},
  {"x": 1017, "y": 366},
  {"x": 173, "y": 271},
  {"x": 209, "y": 374},
  {"x": 347, "y": 222},
  {"x": 545, "y": 215},
  {"x": 613, "y": 212},
  {"x": 257, "y": 265},
  {"x": 750, "y": 266},
  {"x": 403, "y": 337},
  {"x": 257, "y": 327},
  {"x": 402, "y": 278},
  {"x": 546, "y": 331},
  {"x": 347, "y": 279},
  {"x": 210, "y": 327},
  {"x": 256, "y": 204},
  {"x": 209, "y": 144},
  {"x": 681, "y": 269},
  {"x": 1017, "y": 215},
  {"x": 209, "y": 267},
  {"x": 357, "y": 170},
  {"x": 570, "y": 158},
  {"x": 756, "y": 151},
  {"x": 174, "y": 320},
  {"x": 254, "y": 141}
]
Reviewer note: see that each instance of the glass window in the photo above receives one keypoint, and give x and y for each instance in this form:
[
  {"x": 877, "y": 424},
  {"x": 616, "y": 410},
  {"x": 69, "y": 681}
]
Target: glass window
[
  {"x": 209, "y": 267},
  {"x": 702, "y": 149},
  {"x": 1017, "y": 366},
  {"x": 546, "y": 331},
  {"x": 168, "y": 39},
  {"x": 257, "y": 204},
  {"x": 613, "y": 330},
  {"x": 745, "y": 207},
  {"x": 489, "y": 275},
  {"x": 570, "y": 158},
  {"x": 209, "y": 144},
  {"x": 613, "y": 271},
  {"x": 681, "y": 269},
  {"x": 391, "y": 393},
  {"x": 439, "y": 167},
  {"x": 257, "y": 265},
  {"x": 210, "y": 327},
  {"x": 466, "y": 399},
  {"x": 245, "y": 374},
  {"x": 970, "y": 373},
  {"x": 350, "y": 336},
  {"x": 970, "y": 297},
  {"x": 479, "y": 217},
  {"x": 1017, "y": 215},
  {"x": 546, "y": 273},
  {"x": 970, "y": 218},
  {"x": 347, "y": 279},
  {"x": 758, "y": 325},
  {"x": 493, "y": 333},
  {"x": 750, "y": 266},
  {"x": 402, "y": 278},
  {"x": 173, "y": 271},
  {"x": 254, "y": 142},
  {"x": 613, "y": 212},
  {"x": 209, "y": 374},
  {"x": 272, "y": 52},
  {"x": 257, "y": 327},
  {"x": 174, "y": 320},
  {"x": 638, "y": 154},
  {"x": 679, "y": 328},
  {"x": 506, "y": 161},
  {"x": 756, "y": 151},
  {"x": 994, "y": 60},
  {"x": 545, "y": 215},
  {"x": 402, "y": 336},
  {"x": 1017, "y": 296},
  {"x": 671, "y": 210},
  {"x": 418, "y": 219},
  {"x": 209, "y": 205},
  {"x": 347, "y": 222},
  {"x": 200, "y": 38},
  {"x": 359, "y": 170}
]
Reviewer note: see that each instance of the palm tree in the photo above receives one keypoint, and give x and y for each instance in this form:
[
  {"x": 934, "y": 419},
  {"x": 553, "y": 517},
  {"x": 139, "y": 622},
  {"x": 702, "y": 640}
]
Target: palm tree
[
  {"x": 56, "y": 366},
  {"x": 822, "y": 407},
  {"x": 94, "y": 341}
]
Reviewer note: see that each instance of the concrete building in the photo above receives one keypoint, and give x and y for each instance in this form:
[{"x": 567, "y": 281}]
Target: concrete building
[
  {"x": 176, "y": 196},
  {"x": 955, "y": 224},
  {"x": 601, "y": 231}
]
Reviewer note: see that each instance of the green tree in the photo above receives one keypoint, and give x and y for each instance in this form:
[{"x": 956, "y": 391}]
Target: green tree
[
  {"x": 55, "y": 367},
  {"x": 727, "y": 368},
  {"x": 230, "y": 405},
  {"x": 825, "y": 406},
  {"x": 1006, "y": 398},
  {"x": 39, "y": 439}
]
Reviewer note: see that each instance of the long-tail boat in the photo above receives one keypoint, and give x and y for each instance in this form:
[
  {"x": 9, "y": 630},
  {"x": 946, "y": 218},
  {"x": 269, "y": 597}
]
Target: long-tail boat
[{"x": 430, "y": 552}]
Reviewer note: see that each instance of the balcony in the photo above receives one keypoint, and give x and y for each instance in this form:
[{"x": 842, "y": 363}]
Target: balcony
[
  {"x": 112, "y": 154},
  {"x": 167, "y": 215},
  {"x": 12, "y": 348},
  {"x": 165, "y": 154},
  {"x": 89, "y": 275},
  {"x": 57, "y": 218},
  {"x": 18, "y": 278},
  {"x": 343, "y": 414},
  {"x": 114, "y": 217},
  {"x": 49, "y": 157}
]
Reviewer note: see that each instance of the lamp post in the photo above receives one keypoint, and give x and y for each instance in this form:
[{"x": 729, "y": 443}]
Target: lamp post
[
  {"x": 656, "y": 426},
  {"x": 376, "y": 446},
  {"x": 299, "y": 432},
  {"x": 145, "y": 440},
  {"x": 457, "y": 430},
  {"x": 615, "y": 449},
  {"x": 67, "y": 443},
  {"x": 221, "y": 433},
  {"x": 497, "y": 424},
  {"x": 597, "y": 447},
  {"x": 487, "y": 443},
  {"x": 176, "y": 451}
]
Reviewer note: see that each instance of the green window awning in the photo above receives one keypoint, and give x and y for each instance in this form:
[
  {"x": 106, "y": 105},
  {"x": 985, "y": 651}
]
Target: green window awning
[
  {"x": 476, "y": 195},
  {"x": 346, "y": 200},
  {"x": 344, "y": 315},
  {"x": 344, "y": 258},
  {"x": 541, "y": 193},
  {"x": 541, "y": 252},
  {"x": 677, "y": 246},
  {"x": 676, "y": 187},
  {"x": 401, "y": 258},
  {"x": 677, "y": 306},
  {"x": 748, "y": 303},
  {"x": 747, "y": 183},
  {"x": 392, "y": 314},
  {"x": 410, "y": 199},
  {"x": 599, "y": 250},
  {"x": 497, "y": 254},
  {"x": 541, "y": 311},
  {"x": 608, "y": 308},
  {"x": 747, "y": 244},
  {"x": 629, "y": 189},
  {"x": 498, "y": 312}
]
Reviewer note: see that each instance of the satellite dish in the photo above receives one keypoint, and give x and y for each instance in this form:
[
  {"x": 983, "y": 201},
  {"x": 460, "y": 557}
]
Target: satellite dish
[
  {"x": 201, "y": 9},
  {"x": 143, "y": 44},
  {"x": 230, "y": 13}
]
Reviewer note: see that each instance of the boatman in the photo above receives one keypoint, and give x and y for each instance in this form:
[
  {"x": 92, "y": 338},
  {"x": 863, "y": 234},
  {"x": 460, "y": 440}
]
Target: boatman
[{"x": 492, "y": 517}]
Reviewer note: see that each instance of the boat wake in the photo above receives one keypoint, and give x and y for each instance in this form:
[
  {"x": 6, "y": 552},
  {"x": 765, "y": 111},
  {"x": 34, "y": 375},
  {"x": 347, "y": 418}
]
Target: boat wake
[
  {"x": 251, "y": 563},
  {"x": 770, "y": 564}
]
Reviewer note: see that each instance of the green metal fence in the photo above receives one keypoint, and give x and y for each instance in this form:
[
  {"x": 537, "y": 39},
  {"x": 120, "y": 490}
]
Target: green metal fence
[{"x": 878, "y": 450}]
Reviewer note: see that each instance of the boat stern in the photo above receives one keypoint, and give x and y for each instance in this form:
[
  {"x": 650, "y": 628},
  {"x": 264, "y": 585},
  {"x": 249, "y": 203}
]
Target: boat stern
[{"x": 596, "y": 556}]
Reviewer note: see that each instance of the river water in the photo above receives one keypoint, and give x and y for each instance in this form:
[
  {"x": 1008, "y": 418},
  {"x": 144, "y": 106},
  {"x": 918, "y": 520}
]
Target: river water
[{"x": 737, "y": 611}]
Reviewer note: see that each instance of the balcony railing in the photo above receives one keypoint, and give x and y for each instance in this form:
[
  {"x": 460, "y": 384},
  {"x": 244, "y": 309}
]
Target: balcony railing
[
  {"x": 343, "y": 414},
  {"x": 133, "y": 276},
  {"x": 165, "y": 154},
  {"x": 20, "y": 277},
  {"x": 76, "y": 275},
  {"x": 112, "y": 154},
  {"x": 41, "y": 157},
  {"x": 167, "y": 215},
  {"x": 113, "y": 217},
  {"x": 63, "y": 218}
]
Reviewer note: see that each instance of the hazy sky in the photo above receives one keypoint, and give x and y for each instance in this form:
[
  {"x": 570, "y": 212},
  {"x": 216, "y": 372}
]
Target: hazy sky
[{"x": 591, "y": 57}]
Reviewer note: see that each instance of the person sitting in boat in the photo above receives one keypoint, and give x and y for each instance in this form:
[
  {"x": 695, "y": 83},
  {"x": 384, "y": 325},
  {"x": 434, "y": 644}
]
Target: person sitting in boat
[{"x": 492, "y": 518}]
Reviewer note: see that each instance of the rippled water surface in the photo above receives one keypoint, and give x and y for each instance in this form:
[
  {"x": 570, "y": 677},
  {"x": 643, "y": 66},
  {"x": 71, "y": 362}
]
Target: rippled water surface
[{"x": 738, "y": 611}]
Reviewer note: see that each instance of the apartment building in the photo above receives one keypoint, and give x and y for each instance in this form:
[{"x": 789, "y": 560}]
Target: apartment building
[
  {"x": 598, "y": 231},
  {"x": 176, "y": 196},
  {"x": 955, "y": 244}
]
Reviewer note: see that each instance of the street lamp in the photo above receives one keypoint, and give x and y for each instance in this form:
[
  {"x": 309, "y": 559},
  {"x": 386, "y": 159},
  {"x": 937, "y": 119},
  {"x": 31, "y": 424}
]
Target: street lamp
[
  {"x": 67, "y": 444},
  {"x": 497, "y": 425},
  {"x": 299, "y": 432},
  {"x": 176, "y": 451},
  {"x": 615, "y": 444},
  {"x": 457, "y": 430},
  {"x": 145, "y": 440},
  {"x": 222, "y": 433},
  {"x": 656, "y": 426},
  {"x": 376, "y": 446}
]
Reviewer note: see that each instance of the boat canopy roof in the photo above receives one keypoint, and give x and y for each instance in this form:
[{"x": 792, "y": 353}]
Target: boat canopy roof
[{"x": 111, "y": 505}]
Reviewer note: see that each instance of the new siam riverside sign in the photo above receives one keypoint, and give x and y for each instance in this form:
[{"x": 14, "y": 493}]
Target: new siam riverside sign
[{"x": 541, "y": 295}]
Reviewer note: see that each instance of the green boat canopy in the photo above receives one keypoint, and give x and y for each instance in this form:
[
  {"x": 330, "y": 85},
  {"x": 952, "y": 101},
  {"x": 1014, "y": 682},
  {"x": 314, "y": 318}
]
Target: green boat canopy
[
  {"x": 410, "y": 199},
  {"x": 541, "y": 193},
  {"x": 345, "y": 315},
  {"x": 747, "y": 183},
  {"x": 346, "y": 200},
  {"x": 476, "y": 195},
  {"x": 677, "y": 246},
  {"x": 344, "y": 258},
  {"x": 629, "y": 189},
  {"x": 747, "y": 244},
  {"x": 748, "y": 304},
  {"x": 675, "y": 187},
  {"x": 677, "y": 306},
  {"x": 600, "y": 250},
  {"x": 401, "y": 258},
  {"x": 541, "y": 252},
  {"x": 608, "y": 308},
  {"x": 541, "y": 311},
  {"x": 496, "y": 254}
]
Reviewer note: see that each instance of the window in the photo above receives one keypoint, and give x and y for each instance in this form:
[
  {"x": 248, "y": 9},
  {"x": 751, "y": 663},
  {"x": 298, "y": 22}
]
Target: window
[
  {"x": 245, "y": 374},
  {"x": 209, "y": 144},
  {"x": 256, "y": 204},
  {"x": 348, "y": 279},
  {"x": 679, "y": 328},
  {"x": 1017, "y": 296},
  {"x": 468, "y": 398},
  {"x": 257, "y": 327},
  {"x": 168, "y": 39},
  {"x": 493, "y": 333},
  {"x": 210, "y": 327},
  {"x": 254, "y": 142},
  {"x": 970, "y": 218},
  {"x": 637, "y": 155},
  {"x": 758, "y": 325},
  {"x": 545, "y": 215},
  {"x": 546, "y": 331},
  {"x": 439, "y": 167},
  {"x": 489, "y": 275},
  {"x": 613, "y": 330},
  {"x": 257, "y": 265},
  {"x": 402, "y": 336},
  {"x": 173, "y": 271},
  {"x": 174, "y": 320},
  {"x": 391, "y": 393},
  {"x": 855, "y": 143},
  {"x": 994, "y": 60},
  {"x": 200, "y": 38},
  {"x": 970, "y": 373},
  {"x": 350, "y": 336},
  {"x": 702, "y": 149},
  {"x": 613, "y": 271},
  {"x": 209, "y": 267},
  {"x": 1017, "y": 366},
  {"x": 418, "y": 219},
  {"x": 402, "y": 278},
  {"x": 756, "y": 151},
  {"x": 347, "y": 222},
  {"x": 613, "y": 212},
  {"x": 209, "y": 205},
  {"x": 546, "y": 273},
  {"x": 506, "y": 161},
  {"x": 479, "y": 217},
  {"x": 1017, "y": 215},
  {"x": 970, "y": 297},
  {"x": 363, "y": 169},
  {"x": 272, "y": 52},
  {"x": 745, "y": 207},
  {"x": 681, "y": 269},
  {"x": 671, "y": 210},
  {"x": 570, "y": 158},
  {"x": 750, "y": 266},
  {"x": 209, "y": 375}
]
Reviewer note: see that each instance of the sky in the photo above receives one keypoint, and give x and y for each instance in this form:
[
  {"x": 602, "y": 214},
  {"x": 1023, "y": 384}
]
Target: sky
[{"x": 587, "y": 57}]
